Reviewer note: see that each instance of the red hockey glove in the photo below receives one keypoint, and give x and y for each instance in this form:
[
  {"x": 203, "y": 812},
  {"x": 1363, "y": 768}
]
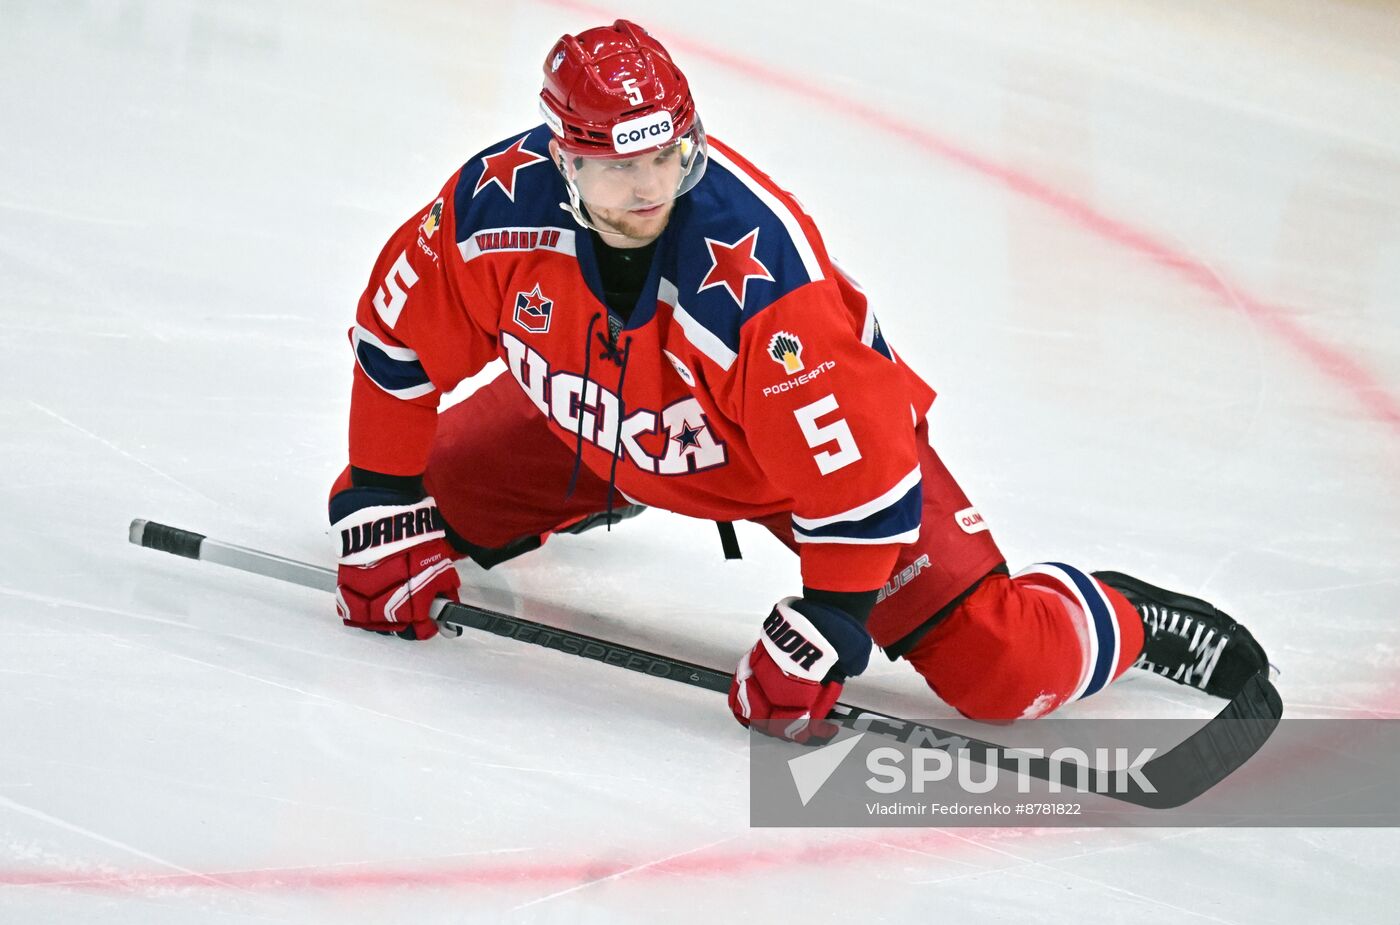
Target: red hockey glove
[
  {"x": 788, "y": 682},
  {"x": 394, "y": 560}
]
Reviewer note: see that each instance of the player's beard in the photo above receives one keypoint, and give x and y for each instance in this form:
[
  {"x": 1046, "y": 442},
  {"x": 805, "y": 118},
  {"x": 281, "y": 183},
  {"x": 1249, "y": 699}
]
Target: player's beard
[{"x": 624, "y": 228}]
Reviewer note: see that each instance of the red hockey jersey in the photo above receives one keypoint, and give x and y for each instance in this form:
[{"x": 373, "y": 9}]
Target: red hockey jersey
[{"x": 756, "y": 379}]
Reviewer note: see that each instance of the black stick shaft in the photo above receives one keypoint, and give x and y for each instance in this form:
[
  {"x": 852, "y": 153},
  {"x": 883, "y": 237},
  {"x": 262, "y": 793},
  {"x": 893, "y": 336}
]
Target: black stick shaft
[
  {"x": 469, "y": 616},
  {"x": 1195, "y": 765}
]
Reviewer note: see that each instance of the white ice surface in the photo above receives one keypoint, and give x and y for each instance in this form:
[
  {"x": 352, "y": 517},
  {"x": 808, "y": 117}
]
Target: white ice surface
[{"x": 1148, "y": 253}]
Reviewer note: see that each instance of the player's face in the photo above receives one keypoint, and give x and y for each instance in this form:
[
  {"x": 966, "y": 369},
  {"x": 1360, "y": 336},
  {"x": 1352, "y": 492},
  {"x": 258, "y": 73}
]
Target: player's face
[{"x": 631, "y": 197}]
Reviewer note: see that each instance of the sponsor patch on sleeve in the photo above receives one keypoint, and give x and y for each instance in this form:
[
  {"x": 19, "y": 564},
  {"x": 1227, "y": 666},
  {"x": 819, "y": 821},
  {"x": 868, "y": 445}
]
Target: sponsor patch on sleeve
[
  {"x": 786, "y": 349},
  {"x": 970, "y": 521}
]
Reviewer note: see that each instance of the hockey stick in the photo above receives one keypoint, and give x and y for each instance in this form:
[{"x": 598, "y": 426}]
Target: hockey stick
[{"x": 1186, "y": 771}]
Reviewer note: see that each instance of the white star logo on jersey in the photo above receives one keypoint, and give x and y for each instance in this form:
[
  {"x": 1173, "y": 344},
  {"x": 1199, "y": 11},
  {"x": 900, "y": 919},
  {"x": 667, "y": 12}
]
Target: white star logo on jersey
[
  {"x": 733, "y": 265},
  {"x": 502, "y": 167}
]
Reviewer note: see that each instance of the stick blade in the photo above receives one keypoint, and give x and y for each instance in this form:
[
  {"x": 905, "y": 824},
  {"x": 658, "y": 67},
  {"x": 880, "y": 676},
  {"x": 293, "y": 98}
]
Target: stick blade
[{"x": 1218, "y": 749}]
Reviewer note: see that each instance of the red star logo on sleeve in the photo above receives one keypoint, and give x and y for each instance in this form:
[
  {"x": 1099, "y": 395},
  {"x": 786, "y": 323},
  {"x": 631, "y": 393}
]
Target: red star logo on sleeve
[
  {"x": 535, "y": 301},
  {"x": 501, "y": 168},
  {"x": 734, "y": 265}
]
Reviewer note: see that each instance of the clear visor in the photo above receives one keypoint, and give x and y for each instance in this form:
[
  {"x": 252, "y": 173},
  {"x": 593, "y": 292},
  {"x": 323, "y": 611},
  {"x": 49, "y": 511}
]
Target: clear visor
[{"x": 640, "y": 182}]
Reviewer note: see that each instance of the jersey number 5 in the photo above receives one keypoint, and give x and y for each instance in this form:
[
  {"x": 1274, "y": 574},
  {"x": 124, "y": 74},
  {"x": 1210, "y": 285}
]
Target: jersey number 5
[
  {"x": 392, "y": 295},
  {"x": 837, "y": 432}
]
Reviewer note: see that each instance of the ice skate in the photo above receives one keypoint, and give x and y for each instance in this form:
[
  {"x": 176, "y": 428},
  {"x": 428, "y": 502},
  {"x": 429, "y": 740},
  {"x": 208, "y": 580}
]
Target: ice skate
[{"x": 1188, "y": 640}]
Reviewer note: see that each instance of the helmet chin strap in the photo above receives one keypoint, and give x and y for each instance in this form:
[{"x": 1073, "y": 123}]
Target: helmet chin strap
[
  {"x": 575, "y": 206},
  {"x": 579, "y": 211},
  {"x": 580, "y": 214}
]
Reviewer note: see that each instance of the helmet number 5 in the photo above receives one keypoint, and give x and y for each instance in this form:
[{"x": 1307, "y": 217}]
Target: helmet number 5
[
  {"x": 837, "y": 432},
  {"x": 634, "y": 94}
]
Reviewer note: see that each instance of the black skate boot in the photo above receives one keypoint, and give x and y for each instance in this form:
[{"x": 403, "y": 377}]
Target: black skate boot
[{"x": 1188, "y": 640}]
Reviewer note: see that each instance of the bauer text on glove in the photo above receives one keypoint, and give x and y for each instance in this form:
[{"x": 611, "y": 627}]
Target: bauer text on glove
[{"x": 788, "y": 682}]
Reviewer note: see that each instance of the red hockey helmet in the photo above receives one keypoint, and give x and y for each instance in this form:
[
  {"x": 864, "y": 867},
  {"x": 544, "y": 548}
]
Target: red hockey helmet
[
  {"x": 613, "y": 94},
  {"x": 609, "y": 77}
]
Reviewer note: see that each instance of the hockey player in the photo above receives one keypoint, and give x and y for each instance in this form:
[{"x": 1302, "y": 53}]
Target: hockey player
[{"x": 676, "y": 336}]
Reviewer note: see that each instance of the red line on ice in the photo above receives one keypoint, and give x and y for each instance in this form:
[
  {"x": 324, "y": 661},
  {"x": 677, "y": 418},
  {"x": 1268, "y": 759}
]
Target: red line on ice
[
  {"x": 701, "y": 863},
  {"x": 1333, "y": 363}
]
